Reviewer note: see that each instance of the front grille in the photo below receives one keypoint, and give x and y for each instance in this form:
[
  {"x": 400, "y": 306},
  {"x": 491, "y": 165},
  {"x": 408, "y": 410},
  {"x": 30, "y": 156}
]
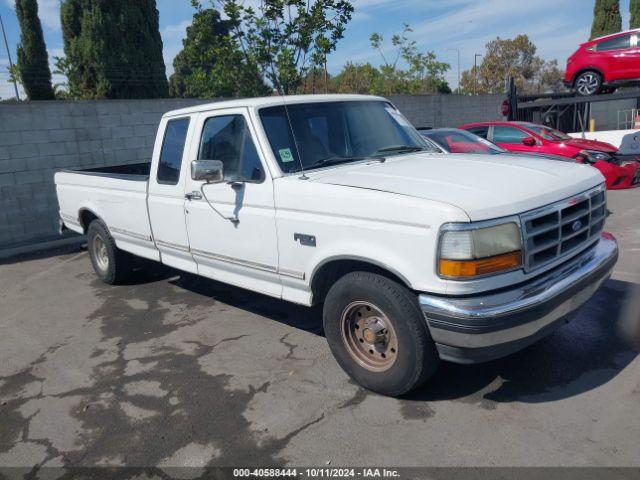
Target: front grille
[{"x": 563, "y": 228}]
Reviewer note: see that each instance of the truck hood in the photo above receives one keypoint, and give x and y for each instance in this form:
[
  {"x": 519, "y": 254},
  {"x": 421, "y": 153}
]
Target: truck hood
[{"x": 484, "y": 186}]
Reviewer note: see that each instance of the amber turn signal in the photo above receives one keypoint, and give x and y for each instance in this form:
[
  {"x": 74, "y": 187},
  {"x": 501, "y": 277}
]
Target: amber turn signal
[{"x": 484, "y": 266}]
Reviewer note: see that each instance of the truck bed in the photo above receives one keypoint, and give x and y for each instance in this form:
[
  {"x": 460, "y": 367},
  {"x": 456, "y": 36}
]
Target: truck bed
[{"x": 117, "y": 195}]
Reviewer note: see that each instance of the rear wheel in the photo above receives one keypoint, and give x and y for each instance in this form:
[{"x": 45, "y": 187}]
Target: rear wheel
[
  {"x": 378, "y": 334},
  {"x": 588, "y": 83},
  {"x": 111, "y": 264}
]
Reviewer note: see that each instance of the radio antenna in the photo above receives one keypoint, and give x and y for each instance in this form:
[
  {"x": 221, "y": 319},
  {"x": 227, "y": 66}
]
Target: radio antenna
[
  {"x": 280, "y": 90},
  {"x": 293, "y": 134}
]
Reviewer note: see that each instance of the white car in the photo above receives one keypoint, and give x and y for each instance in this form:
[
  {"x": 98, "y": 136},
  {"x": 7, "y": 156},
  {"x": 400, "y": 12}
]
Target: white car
[{"x": 416, "y": 255}]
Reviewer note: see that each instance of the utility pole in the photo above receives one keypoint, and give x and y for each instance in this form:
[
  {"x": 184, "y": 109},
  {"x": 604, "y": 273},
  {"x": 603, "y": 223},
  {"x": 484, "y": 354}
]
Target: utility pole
[
  {"x": 458, "y": 51},
  {"x": 6, "y": 44},
  {"x": 475, "y": 73}
]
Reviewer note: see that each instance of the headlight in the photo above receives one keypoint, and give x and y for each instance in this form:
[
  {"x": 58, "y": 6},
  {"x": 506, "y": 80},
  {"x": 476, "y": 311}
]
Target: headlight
[
  {"x": 592, "y": 156},
  {"x": 467, "y": 251}
]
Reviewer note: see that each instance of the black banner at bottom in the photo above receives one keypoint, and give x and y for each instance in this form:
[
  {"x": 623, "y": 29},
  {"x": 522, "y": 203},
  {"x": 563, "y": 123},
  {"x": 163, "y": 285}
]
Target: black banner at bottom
[{"x": 395, "y": 473}]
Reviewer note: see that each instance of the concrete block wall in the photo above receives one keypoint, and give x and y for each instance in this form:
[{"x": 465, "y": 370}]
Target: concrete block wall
[
  {"x": 437, "y": 111},
  {"x": 38, "y": 138}
]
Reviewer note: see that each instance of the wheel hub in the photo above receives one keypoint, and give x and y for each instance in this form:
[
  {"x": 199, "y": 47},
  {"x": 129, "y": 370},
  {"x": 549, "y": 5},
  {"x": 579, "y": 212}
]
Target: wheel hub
[
  {"x": 100, "y": 253},
  {"x": 369, "y": 336},
  {"x": 374, "y": 332}
]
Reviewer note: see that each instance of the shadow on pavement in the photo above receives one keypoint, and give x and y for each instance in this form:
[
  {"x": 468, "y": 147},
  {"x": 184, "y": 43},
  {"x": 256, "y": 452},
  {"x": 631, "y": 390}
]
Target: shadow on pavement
[
  {"x": 76, "y": 247},
  {"x": 578, "y": 357},
  {"x": 297, "y": 316}
]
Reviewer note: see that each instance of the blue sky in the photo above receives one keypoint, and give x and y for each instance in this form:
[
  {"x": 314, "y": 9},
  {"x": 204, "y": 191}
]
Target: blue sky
[{"x": 555, "y": 26}]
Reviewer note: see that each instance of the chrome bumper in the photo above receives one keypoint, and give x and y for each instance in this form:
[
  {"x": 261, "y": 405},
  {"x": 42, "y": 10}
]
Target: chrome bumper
[{"x": 492, "y": 325}]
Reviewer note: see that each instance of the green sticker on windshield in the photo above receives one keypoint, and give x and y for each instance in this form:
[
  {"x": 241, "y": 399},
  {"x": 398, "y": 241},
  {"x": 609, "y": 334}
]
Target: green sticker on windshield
[{"x": 285, "y": 155}]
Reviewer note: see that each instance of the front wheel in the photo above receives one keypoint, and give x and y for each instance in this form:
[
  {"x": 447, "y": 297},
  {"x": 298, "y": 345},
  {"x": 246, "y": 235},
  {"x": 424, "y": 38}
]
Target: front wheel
[
  {"x": 588, "y": 83},
  {"x": 378, "y": 334}
]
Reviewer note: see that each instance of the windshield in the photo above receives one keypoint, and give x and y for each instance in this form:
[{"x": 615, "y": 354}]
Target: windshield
[
  {"x": 548, "y": 133},
  {"x": 329, "y": 133},
  {"x": 461, "y": 141}
]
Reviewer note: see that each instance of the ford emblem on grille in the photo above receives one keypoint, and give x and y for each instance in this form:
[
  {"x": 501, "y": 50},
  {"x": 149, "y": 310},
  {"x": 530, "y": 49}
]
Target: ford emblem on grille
[{"x": 577, "y": 225}]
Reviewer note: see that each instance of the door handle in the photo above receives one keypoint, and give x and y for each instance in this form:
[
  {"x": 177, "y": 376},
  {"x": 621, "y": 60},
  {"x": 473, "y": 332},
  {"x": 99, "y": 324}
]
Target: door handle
[{"x": 195, "y": 195}]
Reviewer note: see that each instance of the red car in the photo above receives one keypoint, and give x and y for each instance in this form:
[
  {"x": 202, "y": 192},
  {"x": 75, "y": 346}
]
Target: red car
[
  {"x": 605, "y": 63},
  {"x": 620, "y": 171}
]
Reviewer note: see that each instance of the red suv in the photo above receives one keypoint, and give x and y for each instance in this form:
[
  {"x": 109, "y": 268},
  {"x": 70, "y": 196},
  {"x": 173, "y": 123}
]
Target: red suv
[
  {"x": 620, "y": 171},
  {"x": 605, "y": 63}
]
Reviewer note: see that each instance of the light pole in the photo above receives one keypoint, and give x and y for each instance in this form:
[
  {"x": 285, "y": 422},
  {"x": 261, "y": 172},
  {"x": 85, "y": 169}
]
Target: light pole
[
  {"x": 6, "y": 44},
  {"x": 475, "y": 73},
  {"x": 458, "y": 51}
]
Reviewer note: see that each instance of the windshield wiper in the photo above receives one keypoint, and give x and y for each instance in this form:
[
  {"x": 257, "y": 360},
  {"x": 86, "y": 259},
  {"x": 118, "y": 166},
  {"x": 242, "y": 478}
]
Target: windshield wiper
[
  {"x": 338, "y": 160},
  {"x": 401, "y": 148}
]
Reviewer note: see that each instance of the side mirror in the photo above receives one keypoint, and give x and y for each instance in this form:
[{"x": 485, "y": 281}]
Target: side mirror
[
  {"x": 211, "y": 171},
  {"x": 529, "y": 141}
]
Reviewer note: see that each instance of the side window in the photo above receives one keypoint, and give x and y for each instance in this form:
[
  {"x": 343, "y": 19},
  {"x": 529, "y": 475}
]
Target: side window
[
  {"x": 228, "y": 139},
  {"x": 508, "y": 135},
  {"x": 175, "y": 137},
  {"x": 480, "y": 131},
  {"x": 617, "y": 43}
]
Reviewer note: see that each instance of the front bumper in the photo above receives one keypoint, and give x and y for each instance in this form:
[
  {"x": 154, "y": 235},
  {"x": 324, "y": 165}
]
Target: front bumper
[{"x": 493, "y": 325}]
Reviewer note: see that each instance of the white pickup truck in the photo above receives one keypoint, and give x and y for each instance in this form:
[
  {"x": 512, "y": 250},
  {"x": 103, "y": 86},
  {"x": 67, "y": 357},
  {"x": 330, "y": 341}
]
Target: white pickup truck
[{"x": 416, "y": 255}]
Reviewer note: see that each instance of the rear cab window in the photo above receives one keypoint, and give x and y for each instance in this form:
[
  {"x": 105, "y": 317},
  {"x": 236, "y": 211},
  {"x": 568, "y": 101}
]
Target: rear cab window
[{"x": 170, "y": 163}]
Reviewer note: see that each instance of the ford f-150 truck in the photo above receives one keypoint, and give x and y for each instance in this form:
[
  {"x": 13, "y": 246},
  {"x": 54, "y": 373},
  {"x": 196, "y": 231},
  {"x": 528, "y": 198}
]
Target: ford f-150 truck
[{"x": 416, "y": 256}]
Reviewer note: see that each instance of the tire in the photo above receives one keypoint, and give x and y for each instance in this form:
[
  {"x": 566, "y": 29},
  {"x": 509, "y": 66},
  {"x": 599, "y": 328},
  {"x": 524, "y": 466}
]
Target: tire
[
  {"x": 588, "y": 83},
  {"x": 378, "y": 334},
  {"x": 112, "y": 265}
]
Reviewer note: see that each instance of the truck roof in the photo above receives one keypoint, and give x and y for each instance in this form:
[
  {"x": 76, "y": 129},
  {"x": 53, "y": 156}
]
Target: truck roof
[{"x": 269, "y": 101}]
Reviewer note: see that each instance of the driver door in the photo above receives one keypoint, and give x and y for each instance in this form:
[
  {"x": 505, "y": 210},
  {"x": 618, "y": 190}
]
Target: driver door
[{"x": 231, "y": 225}]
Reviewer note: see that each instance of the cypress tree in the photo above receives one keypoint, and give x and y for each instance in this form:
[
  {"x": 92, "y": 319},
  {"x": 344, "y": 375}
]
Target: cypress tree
[
  {"x": 606, "y": 18},
  {"x": 206, "y": 29},
  {"x": 634, "y": 7},
  {"x": 141, "y": 45},
  {"x": 113, "y": 49},
  {"x": 211, "y": 63},
  {"x": 33, "y": 60},
  {"x": 84, "y": 36}
]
